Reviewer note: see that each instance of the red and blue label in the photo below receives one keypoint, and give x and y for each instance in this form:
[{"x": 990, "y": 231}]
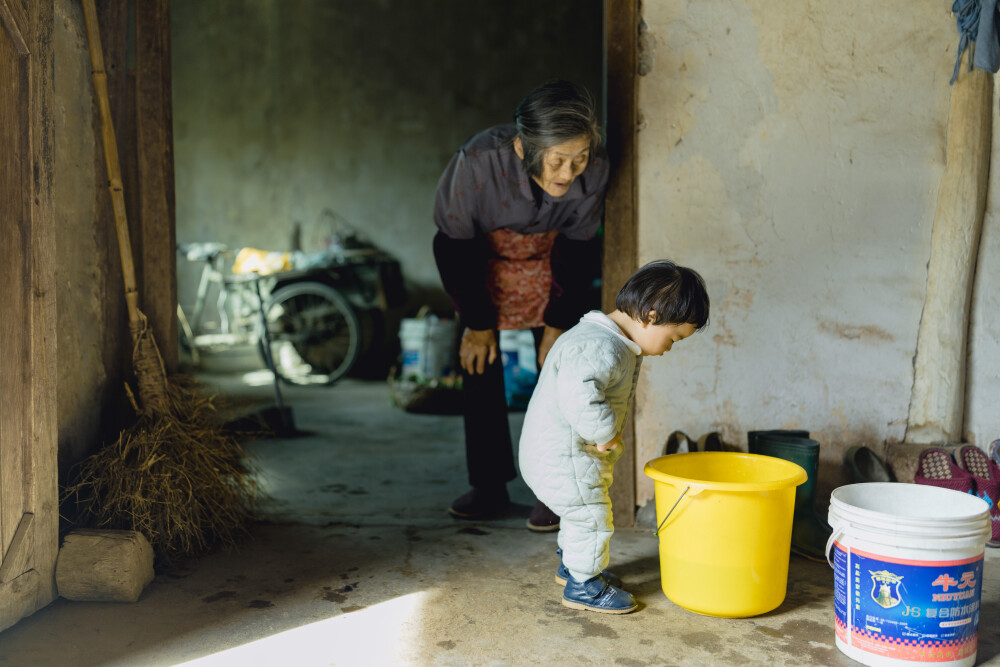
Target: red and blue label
[{"x": 923, "y": 611}]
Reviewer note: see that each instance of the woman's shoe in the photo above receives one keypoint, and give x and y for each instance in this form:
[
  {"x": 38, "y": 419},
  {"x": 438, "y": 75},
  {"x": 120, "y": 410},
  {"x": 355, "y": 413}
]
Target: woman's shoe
[
  {"x": 542, "y": 519},
  {"x": 596, "y": 594},
  {"x": 986, "y": 475},
  {"x": 480, "y": 503},
  {"x": 862, "y": 465},
  {"x": 562, "y": 574}
]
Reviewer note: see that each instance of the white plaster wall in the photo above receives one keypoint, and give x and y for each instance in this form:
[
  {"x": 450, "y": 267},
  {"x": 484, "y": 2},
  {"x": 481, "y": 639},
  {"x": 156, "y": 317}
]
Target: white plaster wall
[{"x": 791, "y": 153}]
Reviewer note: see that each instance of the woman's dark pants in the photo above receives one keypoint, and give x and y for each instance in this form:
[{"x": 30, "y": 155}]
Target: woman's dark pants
[{"x": 489, "y": 452}]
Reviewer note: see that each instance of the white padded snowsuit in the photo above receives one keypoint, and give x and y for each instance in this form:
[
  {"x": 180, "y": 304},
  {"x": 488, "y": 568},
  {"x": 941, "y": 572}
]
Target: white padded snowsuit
[{"x": 581, "y": 400}]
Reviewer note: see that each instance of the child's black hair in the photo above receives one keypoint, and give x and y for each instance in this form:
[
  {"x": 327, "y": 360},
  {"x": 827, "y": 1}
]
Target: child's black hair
[{"x": 676, "y": 293}]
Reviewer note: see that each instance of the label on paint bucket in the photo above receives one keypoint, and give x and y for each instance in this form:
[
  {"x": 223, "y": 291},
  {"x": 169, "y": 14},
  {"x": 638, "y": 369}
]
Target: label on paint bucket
[{"x": 923, "y": 611}]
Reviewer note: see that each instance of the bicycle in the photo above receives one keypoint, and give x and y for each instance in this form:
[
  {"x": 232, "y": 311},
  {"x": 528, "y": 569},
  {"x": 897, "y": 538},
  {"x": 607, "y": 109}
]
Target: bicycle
[{"x": 312, "y": 332}]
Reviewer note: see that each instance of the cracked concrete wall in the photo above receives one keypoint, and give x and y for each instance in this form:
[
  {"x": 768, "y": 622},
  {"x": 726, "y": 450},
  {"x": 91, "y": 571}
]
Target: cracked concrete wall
[
  {"x": 793, "y": 157},
  {"x": 306, "y": 112}
]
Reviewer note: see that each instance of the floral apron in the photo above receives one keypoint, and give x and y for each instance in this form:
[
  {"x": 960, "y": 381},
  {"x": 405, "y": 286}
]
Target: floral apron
[{"x": 519, "y": 277}]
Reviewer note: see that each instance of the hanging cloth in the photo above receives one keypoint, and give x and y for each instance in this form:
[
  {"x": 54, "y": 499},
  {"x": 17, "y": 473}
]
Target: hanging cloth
[
  {"x": 977, "y": 25},
  {"x": 987, "y": 55}
]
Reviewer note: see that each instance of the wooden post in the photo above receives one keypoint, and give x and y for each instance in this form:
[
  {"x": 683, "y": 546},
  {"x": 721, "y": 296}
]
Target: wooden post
[
  {"x": 147, "y": 362},
  {"x": 157, "y": 258},
  {"x": 937, "y": 404},
  {"x": 113, "y": 15},
  {"x": 621, "y": 34}
]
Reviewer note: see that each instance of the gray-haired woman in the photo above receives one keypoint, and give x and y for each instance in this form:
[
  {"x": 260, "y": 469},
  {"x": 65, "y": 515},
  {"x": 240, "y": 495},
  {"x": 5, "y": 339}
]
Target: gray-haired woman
[{"x": 517, "y": 211}]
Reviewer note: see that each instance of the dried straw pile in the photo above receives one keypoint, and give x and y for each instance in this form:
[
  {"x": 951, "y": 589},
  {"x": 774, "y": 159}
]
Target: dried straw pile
[{"x": 179, "y": 478}]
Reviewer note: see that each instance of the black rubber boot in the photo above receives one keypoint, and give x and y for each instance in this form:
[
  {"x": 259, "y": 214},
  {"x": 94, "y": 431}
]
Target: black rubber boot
[
  {"x": 809, "y": 531},
  {"x": 754, "y": 436}
]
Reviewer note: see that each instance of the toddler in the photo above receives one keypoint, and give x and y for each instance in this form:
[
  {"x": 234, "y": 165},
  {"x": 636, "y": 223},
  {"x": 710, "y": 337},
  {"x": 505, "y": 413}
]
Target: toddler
[{"x": 571, "y": 436}]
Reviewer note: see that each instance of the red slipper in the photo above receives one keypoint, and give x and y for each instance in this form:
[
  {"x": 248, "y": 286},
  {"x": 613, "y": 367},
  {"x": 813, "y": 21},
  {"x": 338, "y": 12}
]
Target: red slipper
[
  {"x": 986, "y": 474},
  {"x": 935, "y": 467}
]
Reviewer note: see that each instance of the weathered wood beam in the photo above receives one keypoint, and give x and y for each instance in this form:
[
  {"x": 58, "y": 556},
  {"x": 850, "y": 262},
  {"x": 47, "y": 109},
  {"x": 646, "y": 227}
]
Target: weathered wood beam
[
  {"x": 28, "y": 442},
  {"x": 17, "y": 559},
  {"x": 15, "y": 272},
  {"x": 937, "y": 403},
  {"x": 621, "y": 34},
  {"x": 157, "y": 260},
  {"x": 112, "y": 15}
]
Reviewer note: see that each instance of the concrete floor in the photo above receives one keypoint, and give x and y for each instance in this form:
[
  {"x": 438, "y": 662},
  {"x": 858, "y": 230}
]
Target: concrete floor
[{"x": 359, "y": 564}]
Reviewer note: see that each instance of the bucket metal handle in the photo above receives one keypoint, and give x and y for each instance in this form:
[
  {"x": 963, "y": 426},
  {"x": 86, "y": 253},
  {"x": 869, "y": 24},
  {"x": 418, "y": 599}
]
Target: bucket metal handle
[
  {"x": 838, "y": 531},
  {"x": 660, "y": 527}
]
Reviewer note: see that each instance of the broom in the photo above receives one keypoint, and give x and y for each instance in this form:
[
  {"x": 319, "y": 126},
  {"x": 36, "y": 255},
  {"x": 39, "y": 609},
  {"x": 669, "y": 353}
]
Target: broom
[{"x": 175, "y": 475}]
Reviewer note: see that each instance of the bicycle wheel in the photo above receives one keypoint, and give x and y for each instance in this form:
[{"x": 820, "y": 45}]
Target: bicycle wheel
[{"x": 314, "y": 333}]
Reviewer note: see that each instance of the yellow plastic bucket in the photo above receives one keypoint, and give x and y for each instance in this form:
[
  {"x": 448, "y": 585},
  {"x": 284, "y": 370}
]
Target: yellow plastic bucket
[{"x": 725, "y": 527}]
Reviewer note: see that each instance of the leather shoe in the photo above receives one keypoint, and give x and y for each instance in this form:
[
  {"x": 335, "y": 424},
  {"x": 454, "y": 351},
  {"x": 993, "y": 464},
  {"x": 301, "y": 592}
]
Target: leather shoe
[
  {"x": 596, "y": 594},
  {"x": 542, "y": 519},
  {"x": 563, "y": 575},
  {"x": 480, "y": 503}
]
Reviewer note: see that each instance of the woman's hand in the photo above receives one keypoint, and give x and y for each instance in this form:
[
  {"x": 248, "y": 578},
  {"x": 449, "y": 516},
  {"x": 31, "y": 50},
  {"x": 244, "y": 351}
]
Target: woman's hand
[
  {"x": 478, "y": 348},
  {"x": 548, "y": 337}
]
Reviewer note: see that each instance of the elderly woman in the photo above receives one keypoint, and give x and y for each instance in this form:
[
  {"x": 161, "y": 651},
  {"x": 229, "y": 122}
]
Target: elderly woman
[{"x": 517, "y": 211}]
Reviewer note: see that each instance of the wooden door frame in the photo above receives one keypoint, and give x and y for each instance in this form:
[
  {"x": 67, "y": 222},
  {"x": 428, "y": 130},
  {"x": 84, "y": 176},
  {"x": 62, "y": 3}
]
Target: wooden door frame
[
  {"x": 156, "y": 257},
  {"x": 29, "y": 544},
  {"x": 142, "y": 113},
  {"x": 620, "y": 259}
]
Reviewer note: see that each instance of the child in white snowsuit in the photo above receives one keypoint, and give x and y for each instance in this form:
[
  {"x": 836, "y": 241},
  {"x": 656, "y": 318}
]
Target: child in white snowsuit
[{"x": 571, "y": 436}]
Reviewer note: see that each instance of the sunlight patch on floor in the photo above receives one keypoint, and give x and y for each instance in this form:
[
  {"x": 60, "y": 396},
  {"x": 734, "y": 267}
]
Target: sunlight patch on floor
[
  {"x": 382, "y": 634},
  {"x": 258, "y": 378}
]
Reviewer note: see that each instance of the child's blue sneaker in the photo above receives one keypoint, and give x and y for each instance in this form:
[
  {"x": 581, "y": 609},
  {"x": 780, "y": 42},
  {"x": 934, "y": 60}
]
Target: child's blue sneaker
[
  {"x": 562, "y": 574},
  {"x": 596, "y": 594}
]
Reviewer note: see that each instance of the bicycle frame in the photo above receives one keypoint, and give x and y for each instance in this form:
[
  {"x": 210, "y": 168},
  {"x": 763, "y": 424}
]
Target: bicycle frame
[
  {"x": 237, "y": 301},
  {"x": 301, "y": 313}
]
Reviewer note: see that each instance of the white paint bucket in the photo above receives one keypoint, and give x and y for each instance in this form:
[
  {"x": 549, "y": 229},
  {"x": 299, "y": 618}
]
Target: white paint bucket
[
  {"x": 908, "y": 573},
  {"x": 428, "y": 347}
]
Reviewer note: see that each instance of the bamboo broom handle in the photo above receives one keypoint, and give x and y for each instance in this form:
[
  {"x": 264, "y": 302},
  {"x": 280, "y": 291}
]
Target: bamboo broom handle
[{"x": 100, "y": 79}]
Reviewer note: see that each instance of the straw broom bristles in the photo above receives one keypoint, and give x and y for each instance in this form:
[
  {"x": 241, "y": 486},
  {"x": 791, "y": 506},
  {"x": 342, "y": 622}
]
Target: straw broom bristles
[
  {"x": 150, "y": 373},
  {"x": 180, "y": 479}
]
